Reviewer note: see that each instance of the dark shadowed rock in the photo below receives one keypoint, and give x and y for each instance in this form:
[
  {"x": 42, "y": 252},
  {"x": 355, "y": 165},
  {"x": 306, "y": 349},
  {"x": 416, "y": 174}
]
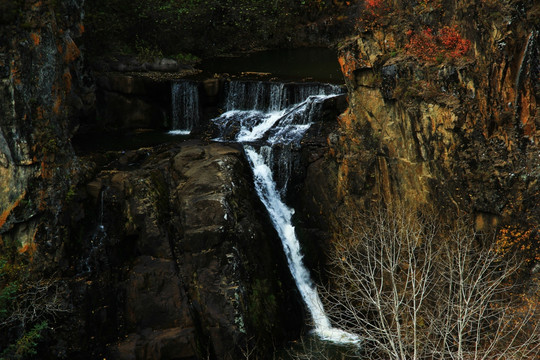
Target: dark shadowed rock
[{"x": 203, "y": 270}]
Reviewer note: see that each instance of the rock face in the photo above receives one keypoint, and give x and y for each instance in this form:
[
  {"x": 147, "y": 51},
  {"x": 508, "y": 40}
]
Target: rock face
[
  {"x": 42, "y": 91},
  {"x": 458, "y": 133},
  {"x": 183, "y": 262},
  {"x": 127, "y": 102}
]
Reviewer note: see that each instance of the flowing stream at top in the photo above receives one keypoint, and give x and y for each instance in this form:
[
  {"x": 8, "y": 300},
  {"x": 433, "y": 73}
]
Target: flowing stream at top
[{"x": 261, "y": 115}]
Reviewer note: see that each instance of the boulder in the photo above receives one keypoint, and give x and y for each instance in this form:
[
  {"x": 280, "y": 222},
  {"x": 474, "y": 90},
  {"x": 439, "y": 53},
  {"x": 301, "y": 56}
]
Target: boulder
[{"x": 163, "y": 65}]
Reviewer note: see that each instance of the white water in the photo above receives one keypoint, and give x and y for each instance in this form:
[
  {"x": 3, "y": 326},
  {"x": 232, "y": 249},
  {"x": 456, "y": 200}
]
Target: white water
[
  {"x": 284, "y": 127},
  {"x": 184, "y": 106},
  {"x": 179, "y": 132},
  {"x": 281, "y": 216}
]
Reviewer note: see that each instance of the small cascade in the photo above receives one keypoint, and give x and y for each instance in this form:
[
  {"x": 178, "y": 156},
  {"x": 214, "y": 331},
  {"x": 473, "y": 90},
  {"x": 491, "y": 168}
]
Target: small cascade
[
  {"x": 185, "y": 107},
  {"x": 280, "y": 126},
  {"x": 269, "y": 96},
  {"x": 97, "y": 239},
  {"x": 263, "y": 129}
]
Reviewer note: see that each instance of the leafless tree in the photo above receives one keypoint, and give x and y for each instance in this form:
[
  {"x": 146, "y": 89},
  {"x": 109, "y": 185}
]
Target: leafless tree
[
  {"x": 36, "y": 301},
  {"x": 415, "y": 290}
]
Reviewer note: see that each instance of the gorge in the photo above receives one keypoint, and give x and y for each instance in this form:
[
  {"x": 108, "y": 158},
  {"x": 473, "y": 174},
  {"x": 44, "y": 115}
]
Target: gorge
[{"x": 146, "y": 199}]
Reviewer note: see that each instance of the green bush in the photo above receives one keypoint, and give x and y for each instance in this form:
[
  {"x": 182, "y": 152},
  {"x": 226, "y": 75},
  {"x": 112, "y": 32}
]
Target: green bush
[{"x": 26, "y": 345}]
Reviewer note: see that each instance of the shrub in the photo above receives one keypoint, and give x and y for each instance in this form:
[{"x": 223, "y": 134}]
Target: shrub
[
  {"x": 26, "y": 307},
  {"x": 428, "y": 46},
  {"x": 375, "y": 13}
]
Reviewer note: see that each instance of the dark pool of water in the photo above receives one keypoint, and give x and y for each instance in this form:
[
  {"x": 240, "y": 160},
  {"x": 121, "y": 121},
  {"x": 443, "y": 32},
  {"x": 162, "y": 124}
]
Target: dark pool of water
[
  {"x": 101, "y": 142},
  {"x": 317, "y": 64}
]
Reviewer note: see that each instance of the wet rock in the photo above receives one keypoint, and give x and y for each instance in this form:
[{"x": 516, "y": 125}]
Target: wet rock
[
  {"x": 120, "y": 83},
  {"x": 169, "y": 344},
  {"x": 153, "y": 297},
  {"x": 202, "y": 273},
  {"x": 127, "y": 112}
]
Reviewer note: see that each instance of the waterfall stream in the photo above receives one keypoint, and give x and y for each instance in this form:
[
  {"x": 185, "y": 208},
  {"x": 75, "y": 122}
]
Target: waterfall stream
[
  {"x": 185, "y": 107},
  {"x": 265, "y": 115}
]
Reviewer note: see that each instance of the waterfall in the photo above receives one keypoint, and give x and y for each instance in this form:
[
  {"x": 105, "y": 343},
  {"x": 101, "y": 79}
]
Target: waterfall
[
  {"x": 270, "y": 96},
  {"x": 97, "y": 238},
  {"x": 185, "y": 107},
  {"x": 264, "y": 126}
]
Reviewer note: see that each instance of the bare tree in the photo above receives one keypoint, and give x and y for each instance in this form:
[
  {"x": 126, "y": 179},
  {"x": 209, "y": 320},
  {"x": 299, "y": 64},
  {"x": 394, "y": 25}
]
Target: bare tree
[
  {"x": 36, "y": 301},
  {"x": 415, "y": 290}
]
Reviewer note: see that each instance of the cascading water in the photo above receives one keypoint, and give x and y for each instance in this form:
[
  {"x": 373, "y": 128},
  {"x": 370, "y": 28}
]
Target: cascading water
[
  {"x": 97, "y": 239},
  {"x": 185, "y": 107},
  {"x": 272, "y": 124}
]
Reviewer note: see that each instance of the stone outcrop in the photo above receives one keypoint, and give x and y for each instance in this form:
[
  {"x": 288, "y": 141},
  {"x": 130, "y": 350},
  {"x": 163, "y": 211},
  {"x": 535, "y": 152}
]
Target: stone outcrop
[
  {"x": 181, "y": 261},
  {"x": 43, "y": 91},
  {"x": 131, "y": 101},
  {"x": 461, "y": 135}
]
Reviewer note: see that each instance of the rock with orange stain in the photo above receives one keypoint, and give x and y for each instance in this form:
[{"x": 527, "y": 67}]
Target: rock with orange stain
[
  {"x": 461, "y": 134},
  {"x": 29, "y": 249},
  {"x": 72, "y": 52},
  {"x": 57, "y": 105},
  {"x": 348, "y": 64},
  {"x": 5, "y": 214},
  {"x": 36, "y": 39},
  {"x": 67, "y": 78}
]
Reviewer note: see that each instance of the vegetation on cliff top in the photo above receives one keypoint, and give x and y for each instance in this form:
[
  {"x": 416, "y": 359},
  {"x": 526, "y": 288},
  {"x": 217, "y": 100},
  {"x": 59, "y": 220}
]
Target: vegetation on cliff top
[{"x": 203, "y": 27}]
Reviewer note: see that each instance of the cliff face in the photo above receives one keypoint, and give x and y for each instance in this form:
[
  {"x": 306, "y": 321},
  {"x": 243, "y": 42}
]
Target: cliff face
[
  {"x": 429, "y": 124},
  {"x": 175, "y": 259},
  {"x": 168, "y": 258},
  {"x": 39, "y": 69}
]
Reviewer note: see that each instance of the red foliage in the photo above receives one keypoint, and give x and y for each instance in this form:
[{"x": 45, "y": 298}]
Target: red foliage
[
  {"x": 378, "y": 7},
  {"x": 374, "y": 11},
  {"x": 423, "y": 45},
  {"x": 447, "y": 43},
  {"x": 374, "y": 3},
  {"x": 453, "y": 42}
]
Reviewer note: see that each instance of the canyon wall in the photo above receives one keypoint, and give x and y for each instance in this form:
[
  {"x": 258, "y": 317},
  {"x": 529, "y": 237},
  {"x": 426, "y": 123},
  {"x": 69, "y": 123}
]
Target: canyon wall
[
  {"x": 455, "y": 132},
  {"x": 175, "y": 259},
  {"x": 43, "y": 92},
  {"x": 157, "y": 253}
]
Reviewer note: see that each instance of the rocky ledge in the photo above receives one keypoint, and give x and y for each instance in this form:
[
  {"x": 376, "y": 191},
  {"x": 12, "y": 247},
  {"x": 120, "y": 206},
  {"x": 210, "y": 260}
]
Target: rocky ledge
[{"x": 181, "y": 261}]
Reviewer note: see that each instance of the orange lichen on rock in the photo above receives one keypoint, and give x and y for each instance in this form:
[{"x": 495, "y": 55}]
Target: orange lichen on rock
[
  {"x": 57, "y": 105},
  {"x": 28, "y": 248},
  {"x": 67, "y": 81},
  {"x": 36, "y": 39},
  {"x": 348, "y": 64},
  {"x": 347, "y": 119},
  {"x": 343, "y": 175},
  {"x": 43, "y": 195},
  {"x": 15, "y": 76},
  {"x": 46, "y": 173},
  {"x": 40, "y": 113},
  {"x": 5, "y": 214},
  {"x": 72, "y": 51},
  {"x": 37, "y": 5}
]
